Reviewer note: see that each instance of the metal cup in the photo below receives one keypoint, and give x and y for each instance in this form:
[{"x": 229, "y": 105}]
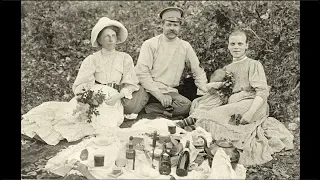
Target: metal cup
[
  {"x": 172, "y": 129},
  {"x": 98, "y": 160}
]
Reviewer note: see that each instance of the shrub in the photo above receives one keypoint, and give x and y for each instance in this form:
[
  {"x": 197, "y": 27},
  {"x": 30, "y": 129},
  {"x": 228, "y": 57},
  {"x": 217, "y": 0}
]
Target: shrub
[{"x": 56, "y": 39}]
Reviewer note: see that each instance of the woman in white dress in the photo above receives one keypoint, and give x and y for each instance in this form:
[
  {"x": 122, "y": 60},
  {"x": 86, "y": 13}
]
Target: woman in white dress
[{"x": 107, "y": 70}]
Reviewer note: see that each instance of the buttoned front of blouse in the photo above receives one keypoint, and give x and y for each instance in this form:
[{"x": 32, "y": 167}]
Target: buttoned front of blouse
[
  {"x": 107, "y": 70},
  {"x": 107, "y": 67}
]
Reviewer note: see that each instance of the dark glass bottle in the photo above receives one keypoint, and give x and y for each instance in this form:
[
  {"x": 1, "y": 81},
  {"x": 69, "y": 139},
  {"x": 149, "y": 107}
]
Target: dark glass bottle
[
  {"x": 184, "y": 160},
  {"x": 164, "y": 162},
  {"x": 130, "y": 155}
]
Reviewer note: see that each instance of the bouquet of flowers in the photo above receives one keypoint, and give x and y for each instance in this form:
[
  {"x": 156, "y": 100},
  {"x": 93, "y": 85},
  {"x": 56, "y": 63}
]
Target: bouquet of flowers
[
  {"x": 88, "y": 102},
  {"x": 226, "y": 89}
]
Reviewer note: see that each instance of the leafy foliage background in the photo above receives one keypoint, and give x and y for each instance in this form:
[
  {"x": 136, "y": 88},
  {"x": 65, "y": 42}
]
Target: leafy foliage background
[{"x": 56, "y": 39}]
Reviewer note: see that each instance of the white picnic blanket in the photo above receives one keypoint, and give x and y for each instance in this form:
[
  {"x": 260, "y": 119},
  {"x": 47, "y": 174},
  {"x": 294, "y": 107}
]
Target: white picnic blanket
[{"x": 221, "y": 166}]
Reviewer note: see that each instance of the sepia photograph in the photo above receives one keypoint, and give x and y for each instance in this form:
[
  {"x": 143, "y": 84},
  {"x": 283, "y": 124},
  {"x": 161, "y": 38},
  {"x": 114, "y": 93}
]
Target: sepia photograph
[{"x": 160, "y": 90}]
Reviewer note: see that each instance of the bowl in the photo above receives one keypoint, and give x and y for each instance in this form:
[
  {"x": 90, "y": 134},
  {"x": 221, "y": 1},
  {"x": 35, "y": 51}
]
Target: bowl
[{"x": 228, "y": 148}]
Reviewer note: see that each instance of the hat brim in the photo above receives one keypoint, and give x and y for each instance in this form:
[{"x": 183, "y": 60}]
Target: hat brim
[
  {"x": 104, "y": 22},
  {"x": 171, "y": 8}
]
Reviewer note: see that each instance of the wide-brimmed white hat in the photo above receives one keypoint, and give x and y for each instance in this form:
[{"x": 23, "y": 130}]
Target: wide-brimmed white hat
[{"x": 105, "y": 22}]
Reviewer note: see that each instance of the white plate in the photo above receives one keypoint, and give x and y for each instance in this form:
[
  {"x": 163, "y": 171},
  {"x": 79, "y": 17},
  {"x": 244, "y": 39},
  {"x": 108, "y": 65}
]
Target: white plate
[{"x": 103, "y": 141}]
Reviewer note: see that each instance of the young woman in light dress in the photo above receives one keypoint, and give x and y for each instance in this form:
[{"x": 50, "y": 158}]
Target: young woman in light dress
[
  {"x": 258, "y": 136},
  {"x": 108, "y": 70}
]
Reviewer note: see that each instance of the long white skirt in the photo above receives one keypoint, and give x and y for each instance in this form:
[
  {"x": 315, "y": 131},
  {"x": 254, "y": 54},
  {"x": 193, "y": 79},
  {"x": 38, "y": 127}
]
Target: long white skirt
[{"x": 53, "y": 121}]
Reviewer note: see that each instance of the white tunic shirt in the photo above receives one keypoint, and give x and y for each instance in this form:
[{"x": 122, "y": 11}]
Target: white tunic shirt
[{"x": 161, "y": 64}]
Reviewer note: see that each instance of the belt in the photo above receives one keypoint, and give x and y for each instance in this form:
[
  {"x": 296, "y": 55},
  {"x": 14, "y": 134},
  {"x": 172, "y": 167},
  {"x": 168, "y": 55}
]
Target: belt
[{"x": 113, "y": 85}]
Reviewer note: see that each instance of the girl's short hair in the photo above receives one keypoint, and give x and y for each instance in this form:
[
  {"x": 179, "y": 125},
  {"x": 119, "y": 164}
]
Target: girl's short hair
[{"x": 238, "y": 32}]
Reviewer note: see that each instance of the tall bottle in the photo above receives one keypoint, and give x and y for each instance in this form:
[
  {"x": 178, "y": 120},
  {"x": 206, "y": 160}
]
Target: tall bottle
[
  {"x": 130, "y": 155},
  {"x": 164, "y": 162},
  {"x": 184, "y": 161}
]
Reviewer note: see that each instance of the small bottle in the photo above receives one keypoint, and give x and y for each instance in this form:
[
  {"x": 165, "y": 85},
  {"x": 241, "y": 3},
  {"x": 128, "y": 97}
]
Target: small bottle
[
  {"x": 164, "y": 162},
  {"x": 130, "y": 155},
  {"x": 183, "y": 162}
]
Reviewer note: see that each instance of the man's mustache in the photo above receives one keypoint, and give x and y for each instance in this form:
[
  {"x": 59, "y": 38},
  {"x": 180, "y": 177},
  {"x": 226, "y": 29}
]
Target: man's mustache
[{"x": 172, "y": 31}]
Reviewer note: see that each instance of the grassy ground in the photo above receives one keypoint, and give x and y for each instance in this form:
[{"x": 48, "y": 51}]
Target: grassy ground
[{"x": 35, "y": 154}]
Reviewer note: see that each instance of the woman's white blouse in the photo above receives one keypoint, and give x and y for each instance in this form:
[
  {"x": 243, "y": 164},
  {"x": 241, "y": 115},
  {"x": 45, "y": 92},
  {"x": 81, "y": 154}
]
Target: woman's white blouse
[{"x": 107, "y": 67}]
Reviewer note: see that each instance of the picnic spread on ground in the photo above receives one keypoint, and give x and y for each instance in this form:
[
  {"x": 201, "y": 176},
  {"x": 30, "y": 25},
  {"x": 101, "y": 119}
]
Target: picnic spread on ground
[
  {"x": 158, "y": 146},
  {"x": 149, "y": 161}
]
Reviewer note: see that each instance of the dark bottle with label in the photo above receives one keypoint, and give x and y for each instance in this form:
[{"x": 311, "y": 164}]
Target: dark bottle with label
[
  {"x": 164, "y": 162},
  {"x": 130, "y": 155},
  {"x": 184, "y": 160}
]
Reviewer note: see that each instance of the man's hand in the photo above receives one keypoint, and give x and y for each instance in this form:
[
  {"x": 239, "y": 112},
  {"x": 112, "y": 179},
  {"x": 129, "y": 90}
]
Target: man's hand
[
  {"x": 215, "y": 85},
  {"x": 165, "y": 100},
  {"x": 111, "y": 101}
]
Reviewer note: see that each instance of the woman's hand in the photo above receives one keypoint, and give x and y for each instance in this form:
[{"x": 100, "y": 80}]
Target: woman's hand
[
  {"x": 246, "y": 117},
  {"x": 112, "y": 100}
]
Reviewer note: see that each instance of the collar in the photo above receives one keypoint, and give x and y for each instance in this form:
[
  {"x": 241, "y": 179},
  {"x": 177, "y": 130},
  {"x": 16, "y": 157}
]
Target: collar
[
  {"x": 242, "y": 58},
  {"x": 104, "y": 51}
]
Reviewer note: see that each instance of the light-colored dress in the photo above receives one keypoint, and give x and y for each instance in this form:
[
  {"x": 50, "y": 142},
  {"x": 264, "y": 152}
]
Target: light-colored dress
[
  {"x": 206, "y": 102},
  {"x": 264, "y": 135},
  {"x": 54, "y": 121}
]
